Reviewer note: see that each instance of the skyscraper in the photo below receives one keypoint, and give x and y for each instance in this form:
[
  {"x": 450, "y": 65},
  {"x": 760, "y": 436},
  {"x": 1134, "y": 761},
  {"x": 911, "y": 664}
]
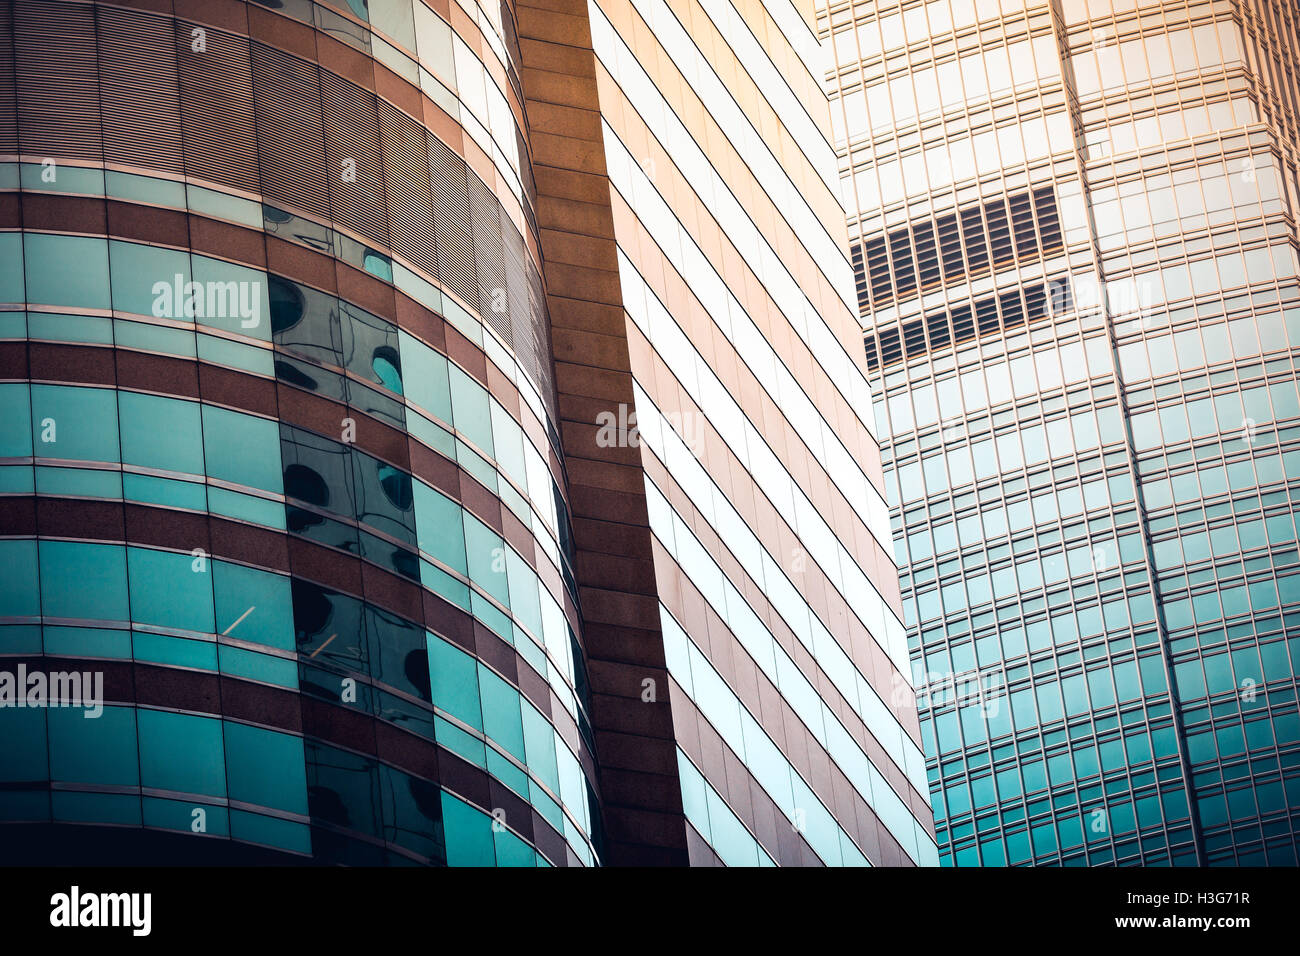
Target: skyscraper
[
  {"x": 1073, "y": 225},
  {"x": 440, "y": 430}
]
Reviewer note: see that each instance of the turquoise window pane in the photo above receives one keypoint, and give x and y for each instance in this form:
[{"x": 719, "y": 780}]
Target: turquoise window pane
[
  {"x": 525, "y": 603},
  {"x": 147, "y": 280},
  {"x": 23, "y": 731},
  {"x": 512, "y": 851},
  {"x": 177, "y": 651},
  {"x": 162, "y": 192},
  {"x": 508, "y": 773},
  {"x": 438, "y": 526},
  {"x": 19, "y": 584},
  {"x": 242, "y": 449},
  {"x": 180, "y": 815},
  {"x": 453, "y": 682},
  {"x": 469, "y": 403},
  {"x": 234, "y": 504},
  {"x": 239, "y": 662},
  {"x": 88, "y": 641},
  {"x": 67, "y": 270},
  {"x": 235, "y": 298},
  {"x": 501, "y": 718},
  {"x": 70, "y": 328},
  {"x": 165, "y": 491},
  {"x": 265, "y": 768},
  {"x": 239, "y": 355},
  {"x": 162, "y": 433},
  {"x": 426, "y": 377},
  {"x": 15, "y": 424},
  {"x": 11, "y": 267},
  {"x": 181, "y": 752},
  {"x": 96, "y": 807},
  {"x": 440, "y": 582},
  {"x": 99, "y": 750},
  {"x": 74, "y": 422},
  {"x": 168, "y": 592},
  {"x": 269, "y": 831},
  {"x": 469, "y": 834},
  {"x": 460, "y": 742},
  {"x": 83, "y": 580},
  {"x": 153, "y": 338},
  {"x": 82, "y": 482},
  {"x": 485, "y": 556},
  {"x": 539, "y": 745},
  {"x": 253, "y": 605}
]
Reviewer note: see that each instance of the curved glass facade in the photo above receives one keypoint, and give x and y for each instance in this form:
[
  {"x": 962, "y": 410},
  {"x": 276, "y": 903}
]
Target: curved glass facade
[
  {"x": 1074, "y": 237},
  {"x": 280, "y": 459}
]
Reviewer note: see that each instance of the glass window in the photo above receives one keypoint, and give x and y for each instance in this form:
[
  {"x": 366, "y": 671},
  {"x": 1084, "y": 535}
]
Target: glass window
[
  {"x": 253, "y": 605},
  {"x": 168, "y": 592},
  {"x": 454, "y": 683},
  {"x": 439, "y": 527},
  {"x": 427, "y": 383},
  {"x": 468, "y": 831},
  {"x": 83, "y": 580},
  {"x": 161, "y": 433},
  {"x": 242, "y": 449},
  {"x": 67, "y": 270},
  {"x": 469, "y": 402},
  {"x": 265, "y": 768},
  {"x": 147, "y": 280},
  {"x": 181, "y": 752},
  {"x": 99, "y": 751},
  {"x": 74, "y": 422}
]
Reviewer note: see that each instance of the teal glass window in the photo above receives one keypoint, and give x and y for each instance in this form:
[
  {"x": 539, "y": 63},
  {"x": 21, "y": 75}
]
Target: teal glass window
[
  {"x": 166, "y": 590},
  {"x": 147, "y": 280},
  {"x": 74, "y": 422},
  {"x": 473, "y": 416},
  {"x": 83, "y": 580},
  {"x": 16, "y": 429},
  {"x": 454, "y": 682},
  {"x": 19, "y": 585},
  {"x": 11, "y": 268},
  {"x": 163, "y": 433},
  {"x": 486, "y": 559},
  {"x": 236, "y": 298},
  {"x": 100, "y": 750},
  {"x": 427, "y": 383},
  {"x": 501, "y": 717},
  {"x": 439, "y": 528},
  {"x": 468, "y": 832},
  {"x": 181, "y": 752},
  {"x": 242, "y": 449},
  {"x": 67, "y": 270},
  {"x": 265, "y": 768},
  {"x": 253, "y": 605}
]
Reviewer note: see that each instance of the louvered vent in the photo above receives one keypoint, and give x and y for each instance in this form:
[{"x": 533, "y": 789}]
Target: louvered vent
[
  {"x": 56, "y": 78},
  {"x": 356, "y": 167},
  {"x": 406, "y": 168},
  {"x": 8, "y": 100},
  {"x": 217, "y": 108},
  {"x": 451, "y": 218},
  {"x": 290, "y": 131},
  {"x": 489, "y": 256},
  {"x": 139, "y": 90}
]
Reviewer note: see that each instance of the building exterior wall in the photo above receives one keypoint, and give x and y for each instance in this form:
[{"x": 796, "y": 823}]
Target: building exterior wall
[
  {"x": 1074, "y": 231},
  {"x": 732, "y": 529},
  {"x": 529, "y": 513},
  {"x": 316, "y": 538}
]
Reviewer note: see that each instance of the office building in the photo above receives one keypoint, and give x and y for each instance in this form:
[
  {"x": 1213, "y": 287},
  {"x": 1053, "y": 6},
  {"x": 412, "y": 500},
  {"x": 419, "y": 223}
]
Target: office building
[
  {"x": 1073, "y": 226},
  {"x": 442, "y": 429}
]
